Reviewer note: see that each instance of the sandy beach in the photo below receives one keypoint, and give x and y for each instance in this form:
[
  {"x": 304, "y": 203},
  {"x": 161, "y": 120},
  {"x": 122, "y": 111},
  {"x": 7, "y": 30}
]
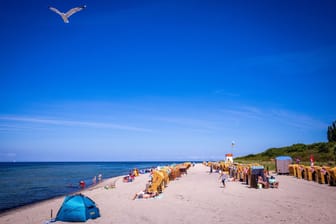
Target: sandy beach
[{"x": 198, "y": 198}]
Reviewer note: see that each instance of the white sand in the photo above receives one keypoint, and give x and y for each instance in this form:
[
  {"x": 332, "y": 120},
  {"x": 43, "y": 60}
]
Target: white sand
[{"x": 198, "y": 198}]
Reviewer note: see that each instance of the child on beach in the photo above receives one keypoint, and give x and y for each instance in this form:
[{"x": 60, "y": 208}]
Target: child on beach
[
  {"x": 82, "y": 184},
  {"x": 222, "y": 177},
  {"x": 273, "y": 182}
]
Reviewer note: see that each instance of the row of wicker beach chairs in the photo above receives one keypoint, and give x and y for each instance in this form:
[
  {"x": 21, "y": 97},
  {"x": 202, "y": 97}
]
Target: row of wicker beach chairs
[
  {"x": 161, "y": 176},
  {"x": 246, "y": 173},
  {"x": 319, "y": 174}
]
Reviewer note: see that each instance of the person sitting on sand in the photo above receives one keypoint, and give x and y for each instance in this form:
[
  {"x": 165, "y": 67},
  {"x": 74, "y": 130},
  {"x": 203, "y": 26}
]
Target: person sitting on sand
[
  {"x": 128, "y": 178},
  {"x": 262, "y": 182}
]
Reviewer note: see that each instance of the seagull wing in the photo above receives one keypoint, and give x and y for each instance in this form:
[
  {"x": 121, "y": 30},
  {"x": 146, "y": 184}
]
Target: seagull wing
[
  {"x": 55, "y": 10},
  {"x": 74, "y": 10}
]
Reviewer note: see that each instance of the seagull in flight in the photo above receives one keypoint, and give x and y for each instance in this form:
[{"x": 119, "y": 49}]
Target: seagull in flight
[{"x": 65, "y": 16}]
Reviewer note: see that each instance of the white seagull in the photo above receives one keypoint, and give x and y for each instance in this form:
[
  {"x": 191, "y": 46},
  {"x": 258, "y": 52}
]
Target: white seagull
[{"x": 65, "y": 16}]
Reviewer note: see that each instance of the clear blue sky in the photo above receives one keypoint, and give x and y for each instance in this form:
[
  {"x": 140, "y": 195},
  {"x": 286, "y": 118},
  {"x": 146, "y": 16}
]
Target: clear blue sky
[{"x": 164, "y": 80}]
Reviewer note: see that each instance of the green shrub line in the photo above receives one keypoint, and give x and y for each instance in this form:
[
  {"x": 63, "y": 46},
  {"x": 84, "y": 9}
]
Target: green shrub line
[{"x": 324, "y": 154}]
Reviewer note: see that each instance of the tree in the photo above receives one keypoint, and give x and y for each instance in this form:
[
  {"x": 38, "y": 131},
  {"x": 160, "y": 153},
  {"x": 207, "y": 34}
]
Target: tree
[
  {"x": 335, "y": 153},
  {"x": 332, "y": 132}
]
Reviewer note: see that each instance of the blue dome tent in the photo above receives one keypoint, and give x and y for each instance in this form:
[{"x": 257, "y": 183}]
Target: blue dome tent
[{"x": 77, "y": 208}]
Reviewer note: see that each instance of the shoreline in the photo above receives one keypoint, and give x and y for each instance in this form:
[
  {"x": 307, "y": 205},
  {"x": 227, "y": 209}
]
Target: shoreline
[
  {"x": 198, "y": 198},
  {"x": 37, "y": 203},
  {"x": 27, "y": 183}
]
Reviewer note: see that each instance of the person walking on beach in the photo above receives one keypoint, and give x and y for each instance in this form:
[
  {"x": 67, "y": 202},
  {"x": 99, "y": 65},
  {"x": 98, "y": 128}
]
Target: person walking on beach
[
  {"x": 222, "y": 177},
  {"x": 100, "y": 178}
]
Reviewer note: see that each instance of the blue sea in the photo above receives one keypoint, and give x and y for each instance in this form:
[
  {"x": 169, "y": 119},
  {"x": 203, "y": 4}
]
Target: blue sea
[{"x": 23, "y": 183}]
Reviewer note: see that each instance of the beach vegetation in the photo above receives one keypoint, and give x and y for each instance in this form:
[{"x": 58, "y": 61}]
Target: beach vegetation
[
  {"x": 331, "y": 133},
  {"x": 324, "y": 154}
]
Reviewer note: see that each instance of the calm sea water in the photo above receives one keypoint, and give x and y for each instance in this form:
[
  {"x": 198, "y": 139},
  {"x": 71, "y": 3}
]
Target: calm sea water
[{"x": 23, "y": 183}]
